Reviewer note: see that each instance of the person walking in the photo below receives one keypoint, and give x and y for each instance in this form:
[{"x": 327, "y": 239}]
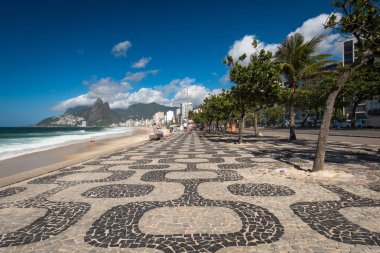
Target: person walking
[
  {"x": 190, "y": 127},
  {"x": 185, "y": 127}
]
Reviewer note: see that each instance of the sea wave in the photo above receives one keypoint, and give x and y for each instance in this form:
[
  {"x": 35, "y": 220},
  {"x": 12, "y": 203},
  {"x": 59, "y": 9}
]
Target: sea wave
[{"x": 13, "y": 147}]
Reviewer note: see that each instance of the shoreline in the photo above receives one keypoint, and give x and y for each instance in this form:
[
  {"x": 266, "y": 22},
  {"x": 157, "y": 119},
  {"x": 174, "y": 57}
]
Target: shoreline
[{"x": 27, "y": 166}]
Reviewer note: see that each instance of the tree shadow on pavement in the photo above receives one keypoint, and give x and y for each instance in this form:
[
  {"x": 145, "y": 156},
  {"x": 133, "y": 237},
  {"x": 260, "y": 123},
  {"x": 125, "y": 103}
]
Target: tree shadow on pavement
[{"x": 302, "y": 152}]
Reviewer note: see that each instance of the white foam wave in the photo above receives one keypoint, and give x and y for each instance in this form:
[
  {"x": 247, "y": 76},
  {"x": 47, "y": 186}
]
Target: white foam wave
[{"x": 17, "y": 147}]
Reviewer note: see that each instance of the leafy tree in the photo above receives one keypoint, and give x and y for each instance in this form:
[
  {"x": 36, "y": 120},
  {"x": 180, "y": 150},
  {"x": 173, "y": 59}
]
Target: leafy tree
[
  {"x": 299, "y": 62},
  {"x": 255, "y": 84},
  {"x": 198, "y": 117},
  {"x": 360, "y": 19},
  {"x": 208, "y": 112},
  {"x": 217, "y": 108},
  {"x": 273, "y": 115},
  {"x": 362, "y": 85},
  {"x": 225, "y": 108},
  {"x": 311, "y": 96}
]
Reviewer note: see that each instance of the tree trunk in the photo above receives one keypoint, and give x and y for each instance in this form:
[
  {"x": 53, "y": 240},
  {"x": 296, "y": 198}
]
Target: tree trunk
[
  {"x": 224, "y": 129},
  {"x": 255, "y": 124},
  {"x": 304, "y": 121},
  {"x": 241, "y": 123},
  {"x": 320, "y": 152},
  {"x": 353, "y": 115},
  {"x": 292, "y": 115}
]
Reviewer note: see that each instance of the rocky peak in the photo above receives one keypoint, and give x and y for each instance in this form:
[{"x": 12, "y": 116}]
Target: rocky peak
[
  {"x": 98, "y": 110},
  {"x": 98, "y": 101}
]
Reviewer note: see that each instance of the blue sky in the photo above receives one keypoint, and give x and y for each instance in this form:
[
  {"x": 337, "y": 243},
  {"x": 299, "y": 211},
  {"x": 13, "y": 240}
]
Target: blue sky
[{"x": 57, "y": 54}]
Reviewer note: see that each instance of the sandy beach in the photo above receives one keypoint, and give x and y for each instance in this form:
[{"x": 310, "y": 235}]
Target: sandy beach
[{"x": 31, "y": 165}]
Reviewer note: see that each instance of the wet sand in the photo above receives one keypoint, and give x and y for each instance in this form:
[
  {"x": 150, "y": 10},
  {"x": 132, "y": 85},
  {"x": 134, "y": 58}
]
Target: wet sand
[{"x": 31, "y": 165}]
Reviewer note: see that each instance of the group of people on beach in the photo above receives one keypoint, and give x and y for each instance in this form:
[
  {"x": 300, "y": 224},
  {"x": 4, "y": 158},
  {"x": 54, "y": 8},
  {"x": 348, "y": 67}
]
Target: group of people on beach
[
  {"x": 187, "y": 128},
  {"x": 157, "y": 131}
]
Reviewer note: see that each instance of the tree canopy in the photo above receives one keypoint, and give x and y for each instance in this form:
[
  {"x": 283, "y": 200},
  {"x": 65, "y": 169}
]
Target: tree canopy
[{"x": 255, "y": 84}]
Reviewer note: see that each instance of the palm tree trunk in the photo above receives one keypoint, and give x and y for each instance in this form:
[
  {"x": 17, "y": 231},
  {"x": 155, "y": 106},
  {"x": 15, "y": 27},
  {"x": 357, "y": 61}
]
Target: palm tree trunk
[
  {"x": 292, "y": 132},
  {"x": 320, "y": 152},
  {"x": 224, "y": 128},
  {"x": 306, "y": 118},
  {"x": 255, "y": 124},
  {"x": 353, "y": 115},
  {"x": 241, "y": 123}
]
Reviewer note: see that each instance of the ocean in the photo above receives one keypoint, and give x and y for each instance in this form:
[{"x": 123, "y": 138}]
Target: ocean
[{"x": 16, "y": 141}]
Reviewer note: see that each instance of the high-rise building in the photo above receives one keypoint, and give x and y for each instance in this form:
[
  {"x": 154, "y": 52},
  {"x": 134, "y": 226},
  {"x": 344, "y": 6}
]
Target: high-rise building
[
  {"x": 178, "y": 115},
  {"x": 349, "y": 51},
  {"x": 159, "y": 117},
  {"x": 169, "y": 116},
  {"x": 185, "y": 109}
]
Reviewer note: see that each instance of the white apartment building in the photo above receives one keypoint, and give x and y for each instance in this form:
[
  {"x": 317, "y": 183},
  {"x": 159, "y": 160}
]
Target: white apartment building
[
  {"x": 178, "y": 115},
  {"x": 169, "y": 117},
  {"x": 185, "y": 109},
  {"x": 159, "y": 117}
]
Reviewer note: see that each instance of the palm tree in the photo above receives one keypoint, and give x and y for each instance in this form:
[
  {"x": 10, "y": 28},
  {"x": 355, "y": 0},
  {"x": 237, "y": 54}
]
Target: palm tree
[{"x": 299, "y": 62}]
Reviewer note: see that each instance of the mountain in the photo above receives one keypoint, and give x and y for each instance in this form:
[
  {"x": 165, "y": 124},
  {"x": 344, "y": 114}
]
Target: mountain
[
  {"x": 143, "y": 111},
  {"x": 100, "y": 114},
  {"x": 78, "y": 109}
]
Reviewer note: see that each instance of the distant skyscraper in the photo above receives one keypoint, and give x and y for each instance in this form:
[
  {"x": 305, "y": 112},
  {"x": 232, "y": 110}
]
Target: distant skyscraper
[
  {"x": 349, "y": 51},
  {"x": 169, "y": 116},
  {"x": 158, "y": 117},
  {"x": 178, "y": 115},
  {"x": 185, "y": 109}
]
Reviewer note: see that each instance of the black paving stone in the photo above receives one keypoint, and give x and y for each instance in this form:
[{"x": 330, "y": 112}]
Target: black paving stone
[
  {"x": 11, "y": 191},
  {"x": 260, "y": 190},
  {"x": 118, "y": 191},
  {"x": 324, "y": 217}
]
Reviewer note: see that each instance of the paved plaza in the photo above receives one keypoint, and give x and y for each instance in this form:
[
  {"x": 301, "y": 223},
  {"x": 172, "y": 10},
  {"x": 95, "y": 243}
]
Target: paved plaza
[{"x": 200, "y": 193}]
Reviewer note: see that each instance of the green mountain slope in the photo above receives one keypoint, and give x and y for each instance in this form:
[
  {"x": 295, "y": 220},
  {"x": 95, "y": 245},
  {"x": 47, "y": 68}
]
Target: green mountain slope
[{"x": 100, "y": 114}]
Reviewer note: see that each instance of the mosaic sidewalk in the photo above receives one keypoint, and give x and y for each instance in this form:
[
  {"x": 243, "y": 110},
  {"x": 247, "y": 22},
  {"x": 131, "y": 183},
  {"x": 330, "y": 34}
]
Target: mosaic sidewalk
[{"x": 197, "y": 193}]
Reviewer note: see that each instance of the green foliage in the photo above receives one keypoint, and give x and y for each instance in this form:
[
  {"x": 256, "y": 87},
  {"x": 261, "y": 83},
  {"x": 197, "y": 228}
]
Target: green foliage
[
  {"x": 363, "y": 84},
  {"x": 216, "y": 108},
  {"x": 312, "y": 94},
  {"x": 257, "y": 83},
  {"x": 273, "y": 115},
  {"x": 361, "y": 19},
  {"x": 302, "y": 68},
  {"x": 298, "y": 58},
  {"x": 299, "y": 64}
]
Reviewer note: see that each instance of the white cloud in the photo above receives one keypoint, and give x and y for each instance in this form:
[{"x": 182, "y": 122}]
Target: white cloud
[
  {"x": 106, "y": 87},
  {"x": 332, "y": 42},
  {"x": 75, "y": 101},
  {"x": 188, "y": 90},
  {"x": 175, "y": 85},
  {"x": 121, "y": 49},
  {"x": 118, "y": 95},
  {"x": 147, "y": 95},
  {"x": 312, "y": 27},
  {"x": 244, "y": 46},
  {"x": 142, "y": 62},
  {"x": 138, "y": 76},
  {"x": 225, "y": 79}
]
